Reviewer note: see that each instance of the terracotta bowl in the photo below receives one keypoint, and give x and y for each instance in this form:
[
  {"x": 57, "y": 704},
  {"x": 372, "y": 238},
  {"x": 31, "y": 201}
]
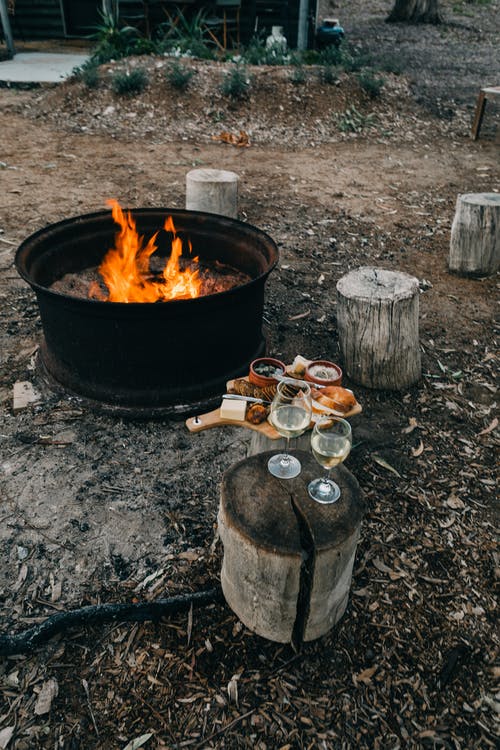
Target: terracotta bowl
[
  {"x": 322, "y": 372},
  {"x": 259, "y": 369}
]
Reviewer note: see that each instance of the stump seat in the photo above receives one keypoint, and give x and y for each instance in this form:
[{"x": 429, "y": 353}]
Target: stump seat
[
  {"x": 475, "y": 235},
  {"x": 288, "y": 560},
  {"x": 212, "y": 190},
  {"x": 377, "y": 318}
]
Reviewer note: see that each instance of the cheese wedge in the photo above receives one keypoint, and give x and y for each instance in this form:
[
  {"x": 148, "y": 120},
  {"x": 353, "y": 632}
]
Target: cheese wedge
[{"x": 233, "y": 410}]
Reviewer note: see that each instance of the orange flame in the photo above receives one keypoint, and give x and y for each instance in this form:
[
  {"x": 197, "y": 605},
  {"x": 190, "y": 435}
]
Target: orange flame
[{"x": 126, "y": 272}]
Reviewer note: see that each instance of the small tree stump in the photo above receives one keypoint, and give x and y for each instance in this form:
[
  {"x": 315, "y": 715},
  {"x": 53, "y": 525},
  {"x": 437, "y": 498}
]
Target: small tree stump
[
  {"x": 475, "y": 235},
  {"x": 212, "y": 190},
  {"x": 288, "y": 560},
  {"x": 377, "y": 318},
  {"x": 260, "y": 443}
]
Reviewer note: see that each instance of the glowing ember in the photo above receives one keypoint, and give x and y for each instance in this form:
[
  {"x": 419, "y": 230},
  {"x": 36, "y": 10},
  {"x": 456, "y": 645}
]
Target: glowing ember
[{"x": 126, "y": 270}]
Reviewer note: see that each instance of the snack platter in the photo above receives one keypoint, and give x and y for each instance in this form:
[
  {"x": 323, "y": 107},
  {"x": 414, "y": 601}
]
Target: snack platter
[{"x": 216, "y": 419}]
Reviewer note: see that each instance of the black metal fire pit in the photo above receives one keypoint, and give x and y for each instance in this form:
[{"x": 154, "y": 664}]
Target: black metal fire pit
[{"x": 148, "y": 359}]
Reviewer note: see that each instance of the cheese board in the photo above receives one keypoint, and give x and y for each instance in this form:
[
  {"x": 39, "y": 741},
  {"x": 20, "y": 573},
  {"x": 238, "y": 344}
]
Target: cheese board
[{"x": 214, "y": 419}]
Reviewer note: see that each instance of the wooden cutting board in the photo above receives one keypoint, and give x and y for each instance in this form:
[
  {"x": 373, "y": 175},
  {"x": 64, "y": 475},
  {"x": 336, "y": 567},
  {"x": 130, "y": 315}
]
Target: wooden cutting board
[{"x": 213, "y": 419}]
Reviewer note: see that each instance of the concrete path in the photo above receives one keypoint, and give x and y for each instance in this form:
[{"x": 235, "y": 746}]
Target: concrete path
[{"x": 39, "y": 67}]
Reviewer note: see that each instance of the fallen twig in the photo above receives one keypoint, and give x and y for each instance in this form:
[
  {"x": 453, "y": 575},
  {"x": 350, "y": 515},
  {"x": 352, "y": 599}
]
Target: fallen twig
[{"x": 94, "y": 614}]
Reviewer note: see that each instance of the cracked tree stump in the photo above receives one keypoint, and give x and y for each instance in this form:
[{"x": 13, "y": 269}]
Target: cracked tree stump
[
  {"x": 212, "y": 190},
  {"x": 475, "y": 235},
  {"x": 288, "y": 560},
  {"x": 377, "y": 319}
]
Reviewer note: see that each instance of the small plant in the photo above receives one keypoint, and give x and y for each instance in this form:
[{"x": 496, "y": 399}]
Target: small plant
[
  {"x": 259, "y": 53},
  {"x": 329, "y": 74},
  {"x": 353, "y": 121},
  {"x": 88, "y": 73},
  {"x": 330, "y": 55},
  {"x": 389, "y": 64},
  {"x": 178, "y": 75},
  {"x": 112, "y": 40},
  {"x": 298, "y": 74},
  {"x": 129, "y": 82},
  {"x": 186, "y": 36},
  {"x": 370, "y": 83},
  {"x": 236, "y": 84}
]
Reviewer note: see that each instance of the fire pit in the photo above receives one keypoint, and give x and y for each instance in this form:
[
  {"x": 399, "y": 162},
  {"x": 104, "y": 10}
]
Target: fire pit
[{"x": 148, "y": 358}]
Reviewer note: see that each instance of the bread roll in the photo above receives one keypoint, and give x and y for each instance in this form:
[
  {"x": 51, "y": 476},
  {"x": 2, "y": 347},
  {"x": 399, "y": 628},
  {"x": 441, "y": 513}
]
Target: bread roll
[{"x": 338, "y": 399}]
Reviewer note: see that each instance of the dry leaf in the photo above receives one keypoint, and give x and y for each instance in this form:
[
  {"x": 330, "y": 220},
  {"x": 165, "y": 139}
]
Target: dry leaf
[
  {"x": 454, "y": 502},
  {"x": 492, "y": 425},
  {"x": 382, "y": 462},
  {"x": 138, "y": 742},
  {"x": 232, "y": 689},
  {"x": 365, "y": 676},
  {"x": 48, "y": 692},
  {"x": 6, "y": 736},
  {"x": 415, "y": 452},
  {"x": 235, "y": 140},
  {"x": 381, "y": 566},
  {"x": 412, "y": 424}
]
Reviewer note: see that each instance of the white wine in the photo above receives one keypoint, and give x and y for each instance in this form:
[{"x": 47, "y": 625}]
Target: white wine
[
  {"x": 290, "y": 420},
  {"x": 329, "y": 452}
]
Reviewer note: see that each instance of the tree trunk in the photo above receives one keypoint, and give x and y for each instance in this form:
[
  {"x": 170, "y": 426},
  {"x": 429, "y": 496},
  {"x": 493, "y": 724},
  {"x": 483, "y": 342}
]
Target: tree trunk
[{"x": 415, "y": 11}]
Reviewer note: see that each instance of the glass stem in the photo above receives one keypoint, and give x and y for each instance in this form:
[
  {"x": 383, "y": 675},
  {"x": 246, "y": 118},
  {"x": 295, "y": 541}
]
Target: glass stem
[{"x": 286, "y": 456}]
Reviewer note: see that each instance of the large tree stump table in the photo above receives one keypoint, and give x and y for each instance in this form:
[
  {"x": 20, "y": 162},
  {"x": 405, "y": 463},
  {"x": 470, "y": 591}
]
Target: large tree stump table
[
  {"x": 287, "y": 565},
  {"x": 377, "y": 318}
]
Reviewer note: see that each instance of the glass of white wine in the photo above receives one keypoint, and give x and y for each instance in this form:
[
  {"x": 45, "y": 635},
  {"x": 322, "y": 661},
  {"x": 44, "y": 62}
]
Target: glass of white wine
[
  {"x": 331, "y": 442},
  {"x": 291, "y": 411}
]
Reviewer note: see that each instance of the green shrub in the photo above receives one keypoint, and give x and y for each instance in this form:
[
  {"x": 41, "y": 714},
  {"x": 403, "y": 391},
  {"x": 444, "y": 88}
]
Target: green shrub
[
  {"x": 353, "y": 121},
  {"x": 389, "y": 64},
  {"x": 370, "y": 84},
  {"x": 298, "y": 74},
  {"x": 236, "y": 83},
  {"x": 328, "y": 74},
  {"x": 113, "y": 41},
  {"x": 129, "y": 82},
  {"x": 186, "y": 35},
  {"x": 257, "y": 53},
  {"x": 88, "y": 73},
  {"x": 178, "y": 75}
]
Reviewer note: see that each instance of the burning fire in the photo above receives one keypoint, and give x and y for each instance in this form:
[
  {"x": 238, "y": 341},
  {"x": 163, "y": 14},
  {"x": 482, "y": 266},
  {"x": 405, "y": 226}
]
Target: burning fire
[{"x": 126, "y": 268}]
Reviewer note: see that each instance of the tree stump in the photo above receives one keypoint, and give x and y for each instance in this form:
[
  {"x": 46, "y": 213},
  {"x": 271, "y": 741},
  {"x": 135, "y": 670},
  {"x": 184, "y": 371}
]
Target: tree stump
[
  {"x": 288, "y": 560},
  {"x": 475, "y": 235},
  {"x": 377, "y": 318},
  {"x": 259, "y": 443},
  {"x": 212, "y": 190}
]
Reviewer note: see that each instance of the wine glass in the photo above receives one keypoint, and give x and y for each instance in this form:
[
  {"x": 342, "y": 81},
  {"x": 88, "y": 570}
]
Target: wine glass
[
  {"x": 290, "y": 415},
  {"x": 331, "y": 442}
]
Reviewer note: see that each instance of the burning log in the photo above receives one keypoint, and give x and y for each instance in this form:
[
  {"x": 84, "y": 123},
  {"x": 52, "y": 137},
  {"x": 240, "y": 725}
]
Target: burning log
[
  {"x": 475, "y": 235},
  {"x": 377, "y": 317},
  {"x": 212, "y": 190},
  {"x": 287, "y": 562}
]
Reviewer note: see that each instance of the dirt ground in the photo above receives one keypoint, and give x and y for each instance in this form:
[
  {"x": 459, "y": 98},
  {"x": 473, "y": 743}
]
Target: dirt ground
[{"x": 99, "y": 509}]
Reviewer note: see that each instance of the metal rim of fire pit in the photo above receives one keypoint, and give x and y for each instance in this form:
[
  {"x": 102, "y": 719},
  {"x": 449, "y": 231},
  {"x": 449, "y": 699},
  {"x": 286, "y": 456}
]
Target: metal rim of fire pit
[{"x": 84, "y": 340}]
